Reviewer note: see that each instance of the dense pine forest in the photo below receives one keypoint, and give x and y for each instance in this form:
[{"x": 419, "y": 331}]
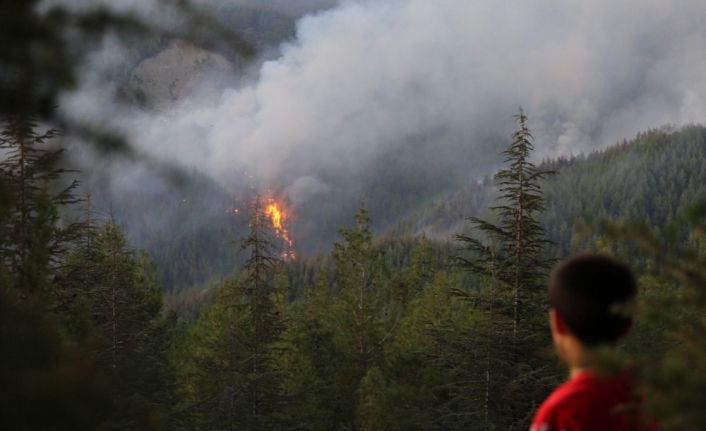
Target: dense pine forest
[
  {"x": 659, "y": 173},
  {"x": 389, "y": 269},
  {"x": 383, "y": 332}
]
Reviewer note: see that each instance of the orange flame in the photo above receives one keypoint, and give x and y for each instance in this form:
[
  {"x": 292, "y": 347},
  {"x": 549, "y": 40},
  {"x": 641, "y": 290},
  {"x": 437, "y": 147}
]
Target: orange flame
[
  {"x": 279, "y": 217},
  {"x": 275, "y": 214}
]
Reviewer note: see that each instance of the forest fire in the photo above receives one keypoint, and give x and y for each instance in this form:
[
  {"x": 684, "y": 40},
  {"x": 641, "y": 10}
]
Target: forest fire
[
  {"x": 279, "y": 216},
  {"x": 275, "y": 214}
]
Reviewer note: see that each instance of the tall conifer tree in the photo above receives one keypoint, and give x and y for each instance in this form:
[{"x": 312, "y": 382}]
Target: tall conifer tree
[
  {"x": 30, "y": 169},
  {"x": 229, "y": 379},
  {"x": 508, "y": 256}
]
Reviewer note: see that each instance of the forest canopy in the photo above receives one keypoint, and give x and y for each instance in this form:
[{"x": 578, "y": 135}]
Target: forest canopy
[{"x": 435, "y": 318}]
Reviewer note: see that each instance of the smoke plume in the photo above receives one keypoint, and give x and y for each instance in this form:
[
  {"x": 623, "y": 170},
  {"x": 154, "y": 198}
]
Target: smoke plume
[{"x": 417, "y": 96}]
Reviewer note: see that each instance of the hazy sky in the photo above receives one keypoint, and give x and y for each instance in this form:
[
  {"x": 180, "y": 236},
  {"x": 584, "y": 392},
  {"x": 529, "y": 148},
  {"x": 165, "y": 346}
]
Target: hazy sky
[{"x": 432, "y": 78}]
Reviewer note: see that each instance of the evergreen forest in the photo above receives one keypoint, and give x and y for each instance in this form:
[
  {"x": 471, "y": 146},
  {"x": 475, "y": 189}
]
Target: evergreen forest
[
  {"x": 383, "y": 332},
  {"x": 184, "y": 307}
]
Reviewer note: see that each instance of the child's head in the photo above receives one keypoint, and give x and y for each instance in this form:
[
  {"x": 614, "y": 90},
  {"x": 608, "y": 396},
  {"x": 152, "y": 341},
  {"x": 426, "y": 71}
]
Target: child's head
[{"x": 588, "y": 294}]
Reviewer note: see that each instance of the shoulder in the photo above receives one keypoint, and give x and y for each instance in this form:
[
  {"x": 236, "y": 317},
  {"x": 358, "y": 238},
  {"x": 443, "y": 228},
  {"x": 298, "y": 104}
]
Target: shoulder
[
  {"x": 569, "y": 403},
  {"x": 547, "y": 415},
  {"x": 586, "y": 402}
]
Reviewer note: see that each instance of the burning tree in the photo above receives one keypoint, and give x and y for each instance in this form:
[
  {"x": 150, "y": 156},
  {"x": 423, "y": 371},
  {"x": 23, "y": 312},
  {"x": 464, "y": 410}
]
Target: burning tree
[
  {"x": 230, "y": 381},
  {"x": 279, "y": 216}
]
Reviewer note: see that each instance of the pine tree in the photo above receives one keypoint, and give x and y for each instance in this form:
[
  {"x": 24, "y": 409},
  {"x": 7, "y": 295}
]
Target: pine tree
[
  {"x": 337, "y": 335},
  {"x": 422, "y": 383},
  {"x": 46, "y": 381},
  {"x": 310, "y": 361},
  {"x": 359, "y": 309},
  {"x": 34, "y": 240},
  {"x": 229, "y": 379},
  {"x": 667, "y": 348},
  {"x": 356, "y": 272},
  {"x": 111, "y": 305},
  {"x": 508, "y": 258},
  {"x": 260, "y": 268}
]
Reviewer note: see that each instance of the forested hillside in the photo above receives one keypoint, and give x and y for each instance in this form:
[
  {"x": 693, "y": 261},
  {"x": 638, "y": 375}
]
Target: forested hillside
[
  {"x": 189, "y": 228},
  {"x": 381, "y": 333},
  {"x": 649, "y": 179},
  {"x": 314, "y": 246}
]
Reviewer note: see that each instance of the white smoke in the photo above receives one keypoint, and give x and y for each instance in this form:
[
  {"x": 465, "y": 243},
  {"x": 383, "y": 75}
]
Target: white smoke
[{"x": 427, "y": 80}]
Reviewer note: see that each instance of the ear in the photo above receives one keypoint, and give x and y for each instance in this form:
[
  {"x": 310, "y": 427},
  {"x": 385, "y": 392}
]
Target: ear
[{"x": 557, "y": 323}]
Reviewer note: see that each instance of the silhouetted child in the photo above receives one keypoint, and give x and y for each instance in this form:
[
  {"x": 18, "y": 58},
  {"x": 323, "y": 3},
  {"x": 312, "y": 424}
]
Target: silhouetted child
[{"x": 588, "y": 295}]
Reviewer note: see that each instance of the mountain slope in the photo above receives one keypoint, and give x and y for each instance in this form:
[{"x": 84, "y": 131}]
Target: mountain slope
[
  {"x": 189, "y": 229},
  {"x": 648, "y": 179}
]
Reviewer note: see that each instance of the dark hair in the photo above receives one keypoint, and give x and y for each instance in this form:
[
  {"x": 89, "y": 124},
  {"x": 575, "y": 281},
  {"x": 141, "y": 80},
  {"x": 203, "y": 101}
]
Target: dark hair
[{"x": 586, "y": 290}]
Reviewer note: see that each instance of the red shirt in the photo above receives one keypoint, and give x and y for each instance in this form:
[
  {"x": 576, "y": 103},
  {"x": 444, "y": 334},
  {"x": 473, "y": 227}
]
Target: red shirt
[{"x": 589, "y": 402}]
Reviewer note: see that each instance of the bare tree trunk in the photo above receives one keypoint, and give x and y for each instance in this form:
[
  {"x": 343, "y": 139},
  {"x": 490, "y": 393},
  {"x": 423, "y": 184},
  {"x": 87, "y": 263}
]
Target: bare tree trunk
[{"x": 114, "y": 323}]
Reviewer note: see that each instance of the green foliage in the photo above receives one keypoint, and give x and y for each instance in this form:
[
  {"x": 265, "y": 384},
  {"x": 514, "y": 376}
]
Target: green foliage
[
  {"x": 188, "y": 228},
  {"x": 333, "y": 361},
  {"x": 422, "y": 383},
  {"x": 510, "y": 262},
  {"x": 359, "y": 294},
  {"x": 44, "y": 383},
  {"x": 112, "y": 306},
  {"x": 85, "y": 345},
  {"x": 379, "y": 334},
  {"x": 649, "y": 180},
  {"x": 669, "y": 347},
  {"x": 33, "y": 240},
  {"x": 228, "y": 377},
  {"x": 363, "y": 319},
  {"x": 309, "y": 365},
  {"x": 214, "y": 370},
  {"x": 513, "y": 255}
]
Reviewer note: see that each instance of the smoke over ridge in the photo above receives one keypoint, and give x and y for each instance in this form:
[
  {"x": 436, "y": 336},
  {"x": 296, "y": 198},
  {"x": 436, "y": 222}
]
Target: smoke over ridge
[{"x": 423, "y": 87}]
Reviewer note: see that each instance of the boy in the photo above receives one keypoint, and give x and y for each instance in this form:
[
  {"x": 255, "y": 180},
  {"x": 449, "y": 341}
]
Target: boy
[{"x": 587, "y": 295}]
